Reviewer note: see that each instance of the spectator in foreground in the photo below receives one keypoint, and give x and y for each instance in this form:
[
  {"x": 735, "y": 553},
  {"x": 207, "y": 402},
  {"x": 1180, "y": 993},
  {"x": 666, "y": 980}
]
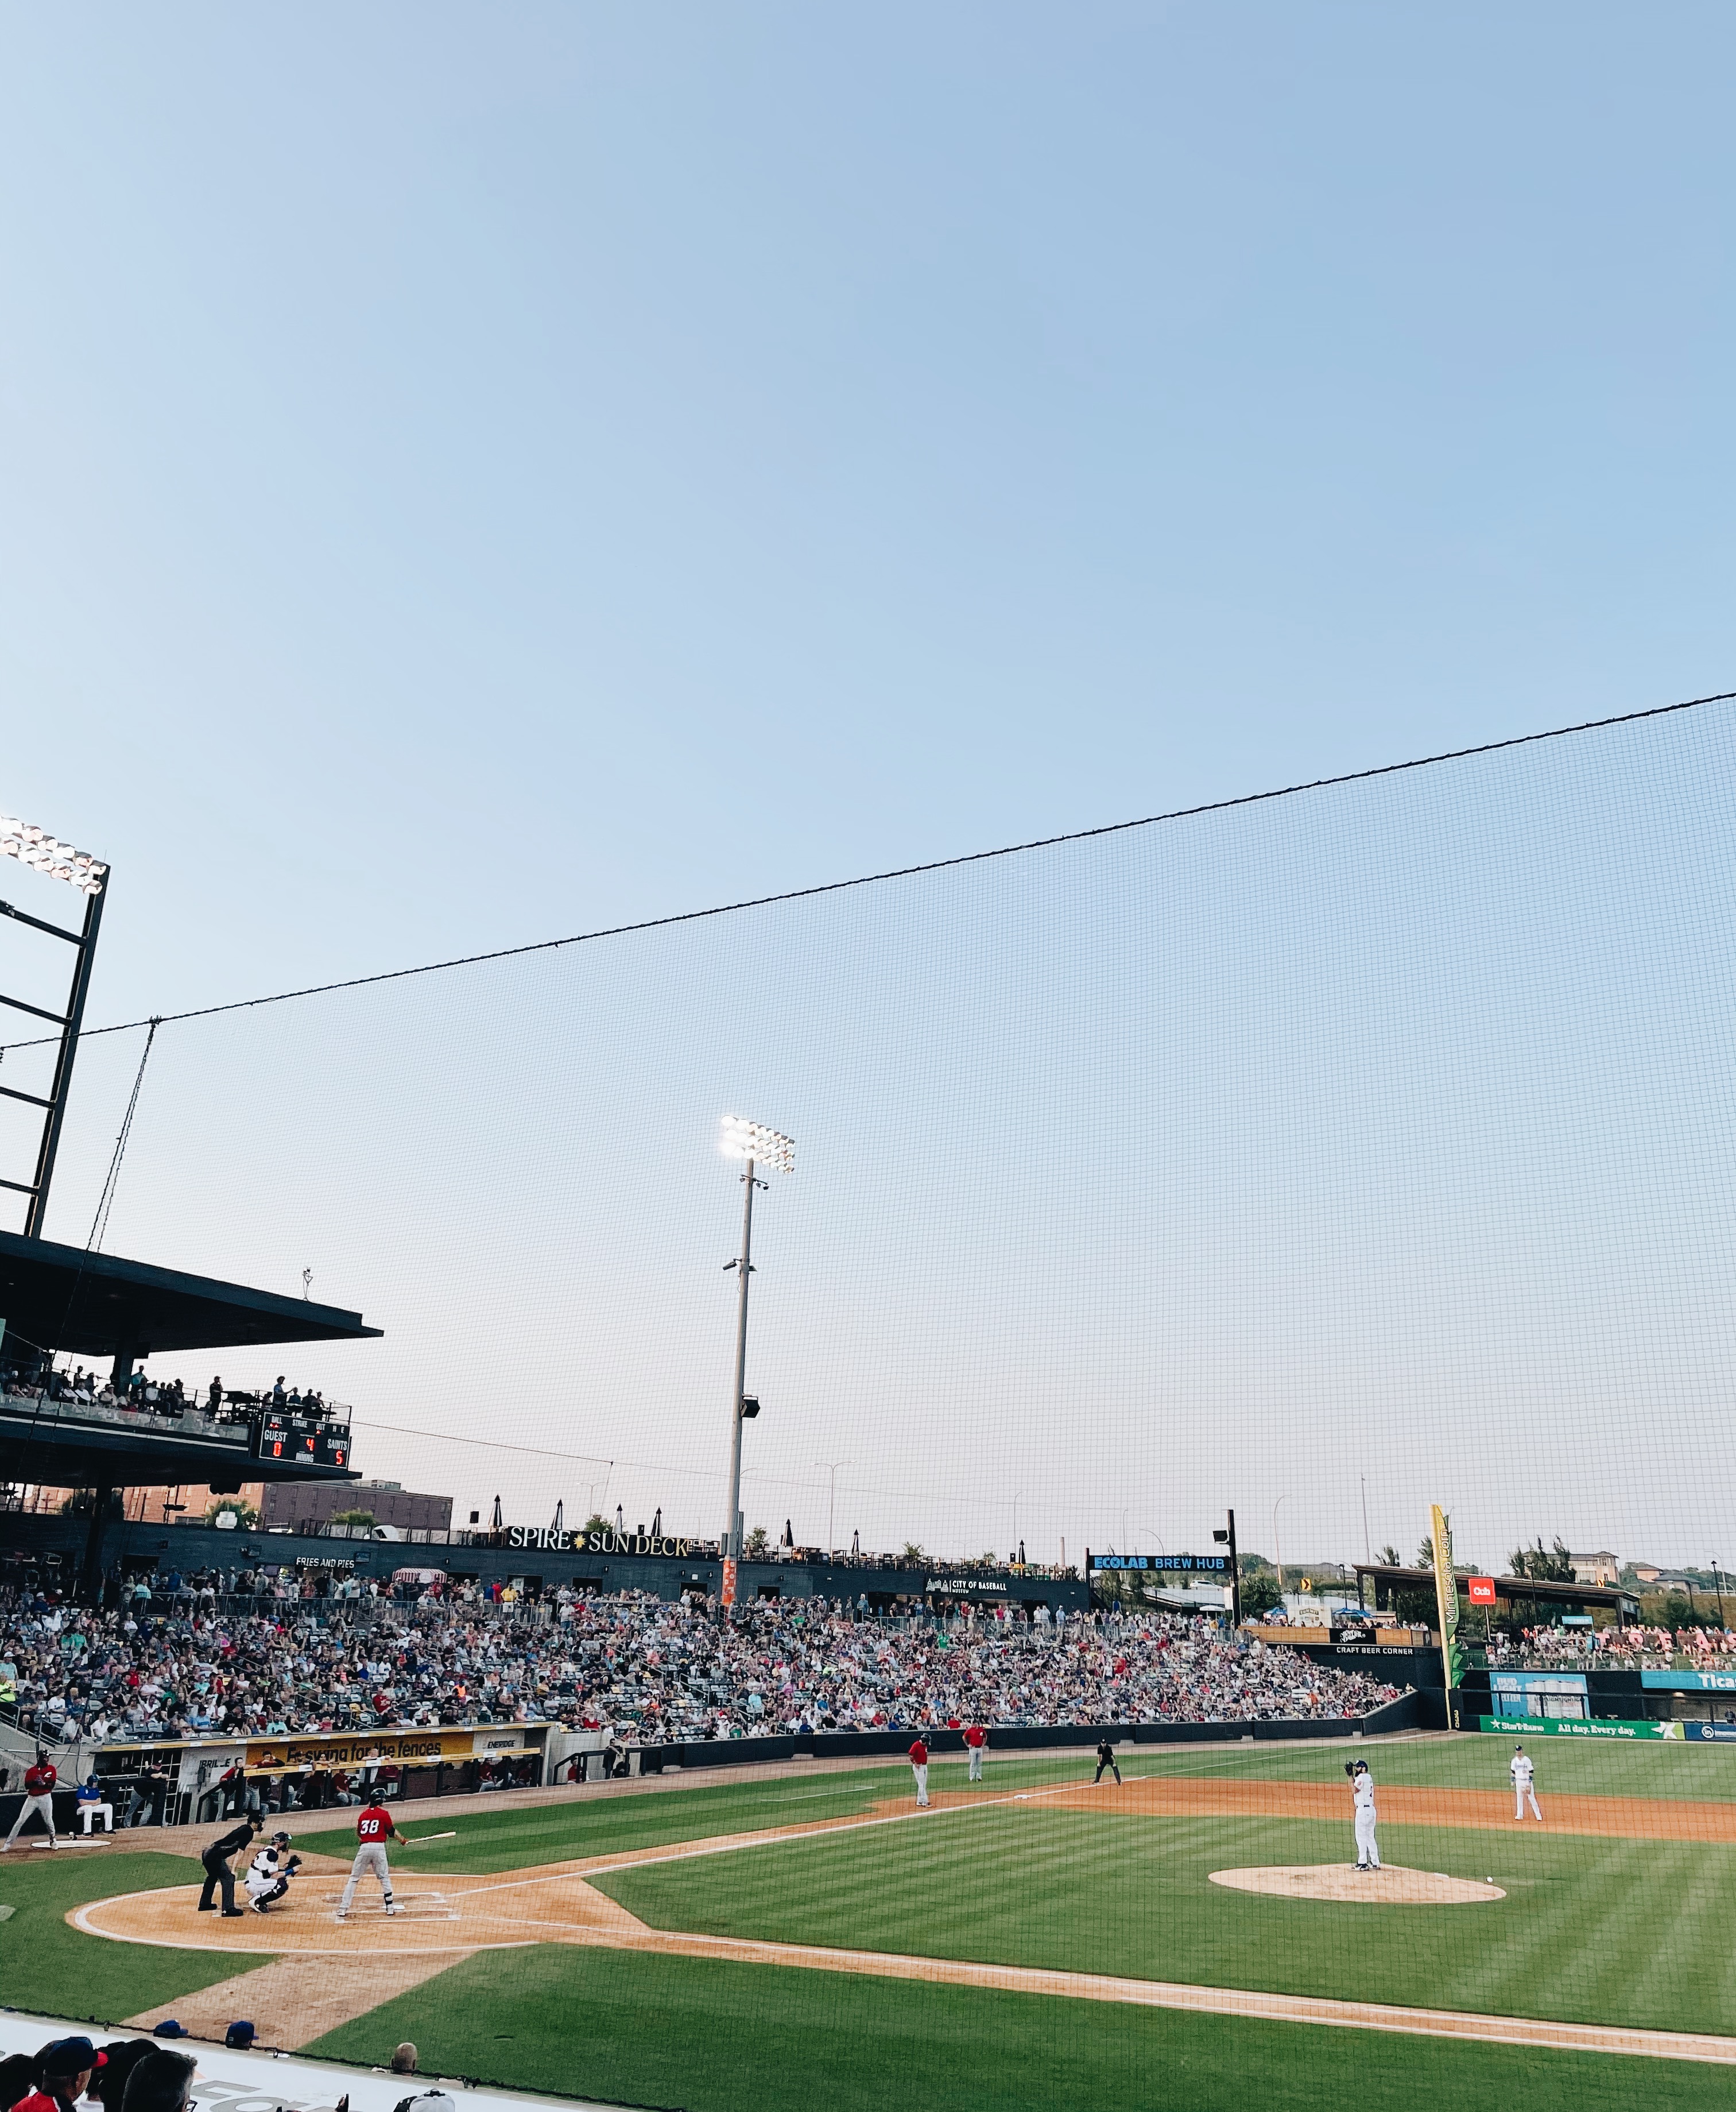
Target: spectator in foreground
[
  {"x": 17, "y": 2080},
  {"x": 162, "y": 2083},
  {"x": 66, "y": 2066},
  {"x": 403, "y": 2061}
]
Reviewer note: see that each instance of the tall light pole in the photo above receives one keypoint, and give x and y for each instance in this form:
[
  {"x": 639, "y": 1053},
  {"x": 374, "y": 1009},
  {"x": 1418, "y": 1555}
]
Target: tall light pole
[
  {"x": 831, "y": 1466},
  {"x": 759, "y": 1146}
]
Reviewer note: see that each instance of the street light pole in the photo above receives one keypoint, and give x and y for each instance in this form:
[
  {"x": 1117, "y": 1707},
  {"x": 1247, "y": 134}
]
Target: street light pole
[
  {"x": 1719, "y": 1589},
  {"x": 756, "y": 1144},
  {"x": 832, "y": 1466},
  {"x": 1277, "y": 1553}
]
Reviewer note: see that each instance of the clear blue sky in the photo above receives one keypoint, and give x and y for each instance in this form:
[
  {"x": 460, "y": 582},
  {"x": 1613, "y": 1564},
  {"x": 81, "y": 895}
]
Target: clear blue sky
[{"x": 467, "y": 476}]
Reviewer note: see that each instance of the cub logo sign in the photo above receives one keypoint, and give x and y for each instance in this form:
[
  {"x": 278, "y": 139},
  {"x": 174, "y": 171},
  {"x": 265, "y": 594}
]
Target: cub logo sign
[
  {"x": 729, "y": 1581},
  {"x": 1482, "y": 1591}
]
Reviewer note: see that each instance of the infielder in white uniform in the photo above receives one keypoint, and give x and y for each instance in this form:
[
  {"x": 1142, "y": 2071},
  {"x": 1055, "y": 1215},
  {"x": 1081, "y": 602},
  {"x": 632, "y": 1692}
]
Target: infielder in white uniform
[
  {"x": 1363, "y": 1796},
  {"x": 1521, "y": 1772},
  {"x": 373, "y": 1829}
]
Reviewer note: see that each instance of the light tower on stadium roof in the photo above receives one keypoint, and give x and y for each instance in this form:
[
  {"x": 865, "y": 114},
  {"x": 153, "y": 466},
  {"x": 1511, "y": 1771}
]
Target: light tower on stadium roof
[
  {"x": 47, "y": 854},
  {"x": 759, "y": 1146}
]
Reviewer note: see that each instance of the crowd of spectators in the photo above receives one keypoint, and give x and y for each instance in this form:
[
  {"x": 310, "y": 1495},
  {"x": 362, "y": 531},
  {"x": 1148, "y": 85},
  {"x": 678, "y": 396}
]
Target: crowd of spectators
[
  {"x": 203, "y": 1663},
  {"x": 1613, "y": 1650}
]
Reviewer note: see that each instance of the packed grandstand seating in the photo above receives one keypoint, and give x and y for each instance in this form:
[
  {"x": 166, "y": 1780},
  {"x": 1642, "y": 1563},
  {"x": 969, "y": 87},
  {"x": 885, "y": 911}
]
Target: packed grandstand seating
[
  {"x": 207, "y": 1659},
  {"x": 1612, "y": 1649}
]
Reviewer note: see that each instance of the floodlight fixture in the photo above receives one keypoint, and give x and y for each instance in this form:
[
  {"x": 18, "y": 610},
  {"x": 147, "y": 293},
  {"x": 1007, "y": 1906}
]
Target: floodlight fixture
[
  {"x": 738, "y": 1138},
  {"x": 46, "y": 854},
  {"x": 741, "y": 1139},
  {"x": 34, "y": 847}
]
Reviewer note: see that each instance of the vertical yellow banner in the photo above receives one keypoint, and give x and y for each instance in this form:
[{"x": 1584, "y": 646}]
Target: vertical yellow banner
[{"x": 1445, "y": 1597}]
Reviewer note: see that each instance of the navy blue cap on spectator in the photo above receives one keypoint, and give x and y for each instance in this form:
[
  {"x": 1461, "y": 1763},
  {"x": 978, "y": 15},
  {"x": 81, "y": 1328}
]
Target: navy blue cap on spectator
[
  {"x": 169, "y": 2029},
  {"x": 240, "y": 2033},
  {"x": 70, "y": 2056}
]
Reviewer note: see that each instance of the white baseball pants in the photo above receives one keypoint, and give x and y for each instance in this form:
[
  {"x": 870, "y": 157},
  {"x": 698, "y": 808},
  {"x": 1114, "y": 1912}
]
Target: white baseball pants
[
  {"x": 42, "y": 1806},
  {"x": 976, "y": 1763},
  {"x": 1519, "y": 1794},
  {"x": 370, "y": 1855},
  {"x": 1366, "y": 1851},
  {"x": 922, "y": 1784}
]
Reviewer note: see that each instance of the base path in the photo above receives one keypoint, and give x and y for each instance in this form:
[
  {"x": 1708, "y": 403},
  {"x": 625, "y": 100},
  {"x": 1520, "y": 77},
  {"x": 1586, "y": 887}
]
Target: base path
[{"x": 292, "y": 2001}]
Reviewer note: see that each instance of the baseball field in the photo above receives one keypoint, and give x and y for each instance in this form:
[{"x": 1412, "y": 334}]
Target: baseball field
[{"x": 1190, "y": 1938}]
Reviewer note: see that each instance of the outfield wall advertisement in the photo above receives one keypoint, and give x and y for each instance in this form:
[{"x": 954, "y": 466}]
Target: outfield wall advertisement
[{"x": 1591, "y": 1726}]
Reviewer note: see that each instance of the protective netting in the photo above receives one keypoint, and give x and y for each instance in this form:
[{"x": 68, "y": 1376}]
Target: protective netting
[
  {"x": 1381, "y": 1132},
  {"x": 1328, "y": 1159}
]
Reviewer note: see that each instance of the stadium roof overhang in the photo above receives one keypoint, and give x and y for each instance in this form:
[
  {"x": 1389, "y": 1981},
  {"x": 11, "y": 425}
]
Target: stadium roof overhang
[
  {"x": 44, "y": 1442},
  {"x": 98, "y": 1305},
  {"x": 1514, "y": 1589}
]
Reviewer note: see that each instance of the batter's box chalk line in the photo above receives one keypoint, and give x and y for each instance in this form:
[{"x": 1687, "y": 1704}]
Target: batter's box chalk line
[{"x": 422, "y": 1906}]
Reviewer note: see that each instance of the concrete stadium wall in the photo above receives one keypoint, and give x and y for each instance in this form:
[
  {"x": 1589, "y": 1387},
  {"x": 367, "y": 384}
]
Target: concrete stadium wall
[
  {"x": 1403, "y": 1715},
  {"x": 188, "y": 1547}
]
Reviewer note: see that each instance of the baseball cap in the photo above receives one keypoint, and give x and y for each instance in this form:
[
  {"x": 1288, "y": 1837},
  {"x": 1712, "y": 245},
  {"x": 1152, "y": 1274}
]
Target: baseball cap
[{"x": 68, "y": 2057}]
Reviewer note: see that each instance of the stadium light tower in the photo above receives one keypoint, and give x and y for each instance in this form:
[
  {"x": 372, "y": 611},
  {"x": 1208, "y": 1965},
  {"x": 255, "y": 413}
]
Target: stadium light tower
[
  {"x": 759, "y": 1146},
  {"x": 34, "y": 847}
]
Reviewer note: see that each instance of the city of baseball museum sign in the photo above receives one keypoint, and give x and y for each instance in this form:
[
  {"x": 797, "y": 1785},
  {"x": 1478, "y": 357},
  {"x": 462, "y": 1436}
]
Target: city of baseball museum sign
[
  {"x": 599, "y": 1543},
  {"x": 967, "y": 1587}
]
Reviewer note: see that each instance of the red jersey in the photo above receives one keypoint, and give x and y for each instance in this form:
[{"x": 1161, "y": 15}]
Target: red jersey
[
  {"x": 976, "y": 1735},
  {"x": 374, "y": 1824},
  {"x": 918, "y": 1754},
  {"x": 39, "y": 1779}
]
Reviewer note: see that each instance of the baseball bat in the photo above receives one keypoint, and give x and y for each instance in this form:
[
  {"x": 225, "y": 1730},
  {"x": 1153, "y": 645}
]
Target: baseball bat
[{"x": 416, "y": 1840}]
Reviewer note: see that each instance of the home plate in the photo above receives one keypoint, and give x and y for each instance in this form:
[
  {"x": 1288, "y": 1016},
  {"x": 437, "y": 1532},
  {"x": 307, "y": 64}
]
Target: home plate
[{"x": 1390, "y": 1886}]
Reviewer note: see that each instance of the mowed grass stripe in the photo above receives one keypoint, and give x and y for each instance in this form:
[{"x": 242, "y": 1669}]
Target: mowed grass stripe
[
  {"x": 1028, "y": 1886},
  {"x": 721, "y": 2038},
  {"x": 523, "y": 1838}
]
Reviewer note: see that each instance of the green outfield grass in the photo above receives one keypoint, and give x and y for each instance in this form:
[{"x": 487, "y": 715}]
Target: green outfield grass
[
  {"x": 47, "y": 1964},
  {"x": 729, "y": 2038},
  {"x": 1607, "y": 1932},
  {"x": 1473, "y": 1761},
  {"x": 518, "y": 1838}
]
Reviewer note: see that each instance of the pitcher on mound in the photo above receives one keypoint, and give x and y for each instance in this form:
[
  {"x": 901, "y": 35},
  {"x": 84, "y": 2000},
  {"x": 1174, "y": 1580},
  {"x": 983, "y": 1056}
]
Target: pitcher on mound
[{"x": 373, "y": 1829}]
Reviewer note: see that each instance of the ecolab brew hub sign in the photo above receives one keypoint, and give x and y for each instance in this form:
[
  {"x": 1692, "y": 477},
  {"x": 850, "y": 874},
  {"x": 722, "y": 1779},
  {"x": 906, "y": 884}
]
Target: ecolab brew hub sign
[{"x": 599, "y": 1543}]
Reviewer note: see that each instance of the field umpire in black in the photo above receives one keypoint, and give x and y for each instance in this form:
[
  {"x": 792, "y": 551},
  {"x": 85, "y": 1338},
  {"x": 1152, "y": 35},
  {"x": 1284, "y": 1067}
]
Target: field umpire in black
[
  {"x": 1106, "y": 1758},
  {"x": 217, "y": 1871}
]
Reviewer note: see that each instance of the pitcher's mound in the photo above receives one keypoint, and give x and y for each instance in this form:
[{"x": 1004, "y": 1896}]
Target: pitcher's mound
[{"x": 1388, "y": 1887}]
